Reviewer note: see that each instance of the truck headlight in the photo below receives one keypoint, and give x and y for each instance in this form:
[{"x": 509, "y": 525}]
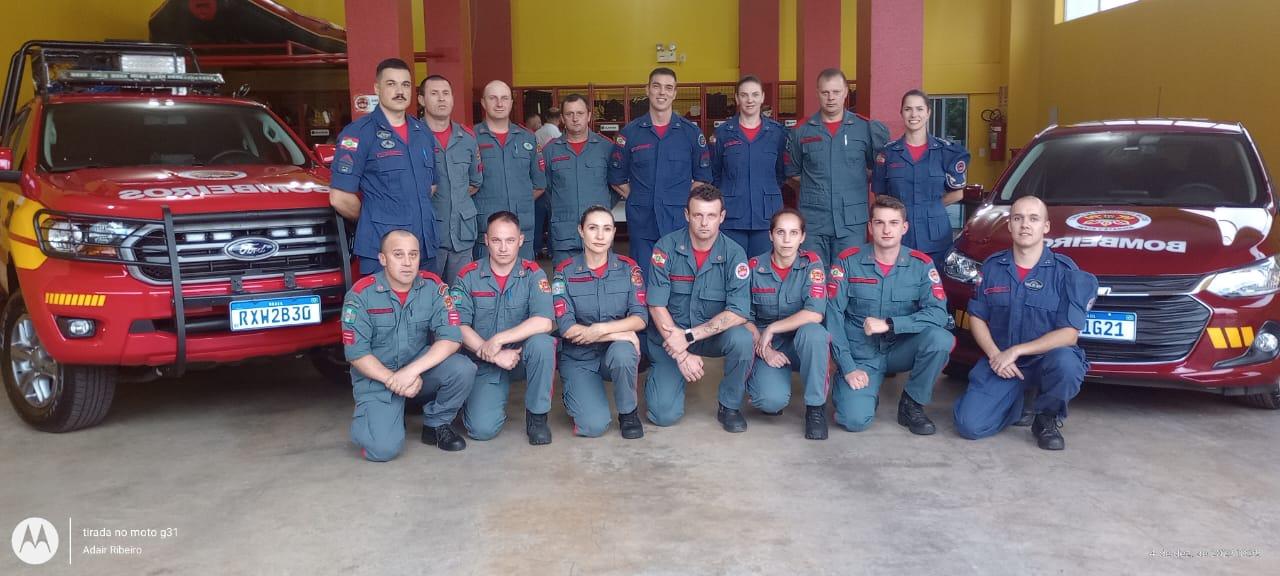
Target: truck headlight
[
  {"x": 1257, "y": 279},
  {"x": 80, "y": 236},
  {"x": 962, "y": 268}
]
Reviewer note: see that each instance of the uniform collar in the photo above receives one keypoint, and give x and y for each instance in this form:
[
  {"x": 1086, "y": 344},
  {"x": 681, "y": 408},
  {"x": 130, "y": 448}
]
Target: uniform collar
[
  {"x": 380, "y": 117},
  {"x": 869, "y": 256},
  {"x": 512, "y": 128},
  {"x": 381, "y": 284},
  {"x": 592, "y": 138},
  {"x": 486, "y": 268},
  {"x": 901, "y": 143},
  {"x": 816, "y": 119},
  {"x": 646, "y": 121},
  {"x": 579, "y": 265},
  {"x": 685, "y": 246},
  {"x": 736, "y": 126}
]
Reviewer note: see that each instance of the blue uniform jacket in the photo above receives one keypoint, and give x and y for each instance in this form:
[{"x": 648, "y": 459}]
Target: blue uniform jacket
[
  {"x": 581, "y": 297},
  {"x": 576, "y": 182},
  {"x": 1055, "y": 294},
  {"x": 833, "y": 171},
  {"x": 393, "y": 179},
  {"x": 695, "y": 295},
  {"x": 660, "y": 171},
  {"x": 920, "y": 186},
  {"x": 749, "y": 172},
  {"x": 774, "y": 299}
]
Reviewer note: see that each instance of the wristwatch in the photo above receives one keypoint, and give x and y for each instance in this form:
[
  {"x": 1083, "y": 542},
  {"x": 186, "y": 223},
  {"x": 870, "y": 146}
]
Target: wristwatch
[
  {"x": 688, "y": 335},
  {"x": 889, "y": 321}
]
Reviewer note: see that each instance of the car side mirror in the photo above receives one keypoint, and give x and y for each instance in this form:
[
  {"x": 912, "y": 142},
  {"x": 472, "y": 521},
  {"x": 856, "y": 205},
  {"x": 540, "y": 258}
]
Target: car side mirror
[
  {"x": 974, "y": 194},
  {"x": 7, "y": 173},
  {"x": 326, "y": 152}
]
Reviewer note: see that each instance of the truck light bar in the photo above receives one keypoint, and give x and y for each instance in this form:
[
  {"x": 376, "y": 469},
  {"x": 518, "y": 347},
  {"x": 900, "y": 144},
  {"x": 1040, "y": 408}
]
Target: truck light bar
[{"x": 159, "y": 79}]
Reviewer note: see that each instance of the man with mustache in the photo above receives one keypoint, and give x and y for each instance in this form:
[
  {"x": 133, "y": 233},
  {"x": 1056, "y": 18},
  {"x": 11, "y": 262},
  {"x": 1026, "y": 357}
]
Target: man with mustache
[{"x": 384, "y": 172}]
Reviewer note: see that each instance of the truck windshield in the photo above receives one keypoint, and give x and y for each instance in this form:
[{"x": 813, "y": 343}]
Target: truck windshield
[
  {"x": 1138, "y": 168},
  {"x": 164, "y": 132}
]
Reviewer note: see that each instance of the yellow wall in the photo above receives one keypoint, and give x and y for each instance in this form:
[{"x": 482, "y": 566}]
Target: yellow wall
[{"x": 1168, "y": 57}]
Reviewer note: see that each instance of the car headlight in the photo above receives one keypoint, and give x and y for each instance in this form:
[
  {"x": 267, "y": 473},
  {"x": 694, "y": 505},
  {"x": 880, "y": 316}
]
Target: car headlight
[
  {"x": 1262, "y": 277},
  {"x": 78, "y": 236},
  {"x": 962, "y": 268}
]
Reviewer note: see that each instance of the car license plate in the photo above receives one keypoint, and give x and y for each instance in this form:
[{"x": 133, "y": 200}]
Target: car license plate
[
  {"x": 274, "y": 313},
  {"x": 1118, "y": 326}
]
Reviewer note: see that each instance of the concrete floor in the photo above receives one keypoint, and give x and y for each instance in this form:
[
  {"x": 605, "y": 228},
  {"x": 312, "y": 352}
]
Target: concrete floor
[{"x": 251, "y": 468}]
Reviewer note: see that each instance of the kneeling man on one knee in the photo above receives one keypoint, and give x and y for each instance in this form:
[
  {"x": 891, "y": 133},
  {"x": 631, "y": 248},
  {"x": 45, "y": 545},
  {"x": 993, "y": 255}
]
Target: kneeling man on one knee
[
  {"x": 887, "y": 314},
  {"x": 1028, "y": 308}
]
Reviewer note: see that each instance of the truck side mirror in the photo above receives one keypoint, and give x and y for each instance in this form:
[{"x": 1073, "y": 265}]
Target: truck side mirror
[
  {"x": 326, "y": 152},
  {"x": 7, "y": 173}
]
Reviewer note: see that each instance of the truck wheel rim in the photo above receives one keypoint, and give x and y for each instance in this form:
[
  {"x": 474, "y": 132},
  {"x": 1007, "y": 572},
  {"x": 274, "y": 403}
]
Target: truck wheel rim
[{"x": 36, "y": 373}]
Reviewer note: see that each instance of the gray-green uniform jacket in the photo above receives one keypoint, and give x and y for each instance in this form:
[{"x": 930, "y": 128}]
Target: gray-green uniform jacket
[
  {"x": 459, "y": 169},
  {"x": 911, "y": 295}
]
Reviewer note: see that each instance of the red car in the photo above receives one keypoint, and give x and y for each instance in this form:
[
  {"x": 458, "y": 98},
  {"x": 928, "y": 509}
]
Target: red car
[
  {"x": 1177, "y": 218},
  {"x": 150, "y": 225}
]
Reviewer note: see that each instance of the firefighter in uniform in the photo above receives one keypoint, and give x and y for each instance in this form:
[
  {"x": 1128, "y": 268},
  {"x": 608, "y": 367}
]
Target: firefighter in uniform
[
  {"x": 926, "y": 173},
  {"x": 1028, "y": 309},
  {"x": 788, "y": 302},
  {"x": 458, "y": 163},
  {"x": 401, "y": 334},
  {"x": 830, "y": 156},
  {"x": 657, "y": 159},
  {"x": 384, "y": 172},
  {"x": 599, "y": 301},
  {"x": 577, "y": 165},
  {"x": 699, "y": 298},
  {"x": 748, "y": 165},
  {"x": 887, "y": 314},
  {"x": 504, "y": 302},
  {"x": 514, "y": 175}
]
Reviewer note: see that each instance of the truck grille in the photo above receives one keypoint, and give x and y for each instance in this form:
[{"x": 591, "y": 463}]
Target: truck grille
[
  {"x": 1168, "y": 327},
  {"x": 306, "y": 244}
]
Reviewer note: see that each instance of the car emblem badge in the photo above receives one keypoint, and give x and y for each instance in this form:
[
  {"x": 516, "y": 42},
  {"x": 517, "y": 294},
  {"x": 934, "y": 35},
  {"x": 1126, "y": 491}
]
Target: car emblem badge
[{"x": 250, "y": 249}]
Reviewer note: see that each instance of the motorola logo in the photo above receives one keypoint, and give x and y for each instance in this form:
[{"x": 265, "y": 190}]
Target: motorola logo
[{"x": 35, "y": 541}]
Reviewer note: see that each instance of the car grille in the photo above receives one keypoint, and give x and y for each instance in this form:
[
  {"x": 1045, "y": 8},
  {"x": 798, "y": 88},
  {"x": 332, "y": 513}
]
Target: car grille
[
  {"x": 307, "y": 244},
  {"x": 1149, "y": 285},
  {"x": 1168, "y": 327}
]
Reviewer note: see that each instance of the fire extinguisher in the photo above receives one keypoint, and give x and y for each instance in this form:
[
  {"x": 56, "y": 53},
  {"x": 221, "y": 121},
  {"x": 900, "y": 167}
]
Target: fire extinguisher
[{"x": 996, "y": 133}]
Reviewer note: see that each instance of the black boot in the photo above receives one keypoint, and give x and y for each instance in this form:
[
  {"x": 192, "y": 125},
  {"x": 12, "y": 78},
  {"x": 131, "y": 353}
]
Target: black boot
[
  {"x": 1045, "y": 429},
  {"x": 444, "y": 437},
  {"x": 911, "y": 414},
  {"x": 815, "y": 422},
  {"x": 731, "y": 419},
  {"x": 535, "y": 425},
  {"x": 630, "y": 425}
]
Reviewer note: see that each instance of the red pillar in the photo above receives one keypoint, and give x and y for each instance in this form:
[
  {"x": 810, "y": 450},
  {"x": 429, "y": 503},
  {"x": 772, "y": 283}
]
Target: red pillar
[
  {"x": 376, "y": 30},
  {"x": 890, "y": 57},
  {"x": 817, "y": 48},
  {"x": 491, "y": 26},
  {"x": 758, "y": 42},
  {"x": 448, "y": 29}
]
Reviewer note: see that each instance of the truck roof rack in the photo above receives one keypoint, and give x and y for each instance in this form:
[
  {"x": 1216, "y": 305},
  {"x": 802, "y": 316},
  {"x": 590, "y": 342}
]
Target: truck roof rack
[{"x": 67, "y": 66}]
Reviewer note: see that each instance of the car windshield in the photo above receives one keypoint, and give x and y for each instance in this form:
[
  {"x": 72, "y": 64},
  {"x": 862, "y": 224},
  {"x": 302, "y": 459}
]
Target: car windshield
[
  {"x": 1141, "y": 168},
  {"x": 162, "y": 132}
]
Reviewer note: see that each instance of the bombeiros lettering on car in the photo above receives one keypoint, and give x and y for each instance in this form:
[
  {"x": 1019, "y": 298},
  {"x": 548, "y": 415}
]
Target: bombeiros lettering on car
[
  {"x": 1117, "y": 242},
  {"x": 220, "y": 189}
]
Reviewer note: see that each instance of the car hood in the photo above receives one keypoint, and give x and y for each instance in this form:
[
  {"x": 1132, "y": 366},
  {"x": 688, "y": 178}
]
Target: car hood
[
  {"x": 140, "y": 192},
  {"x": 1143, "y": 241}
]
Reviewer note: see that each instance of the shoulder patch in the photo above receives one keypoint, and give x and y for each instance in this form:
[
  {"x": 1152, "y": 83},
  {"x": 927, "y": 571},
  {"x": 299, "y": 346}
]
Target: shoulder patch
[
  {"x": 626, "y": 259},
  {"x": 471, "y": 266},
  {"x": 921, "y": 256},
  {"x": 565, "y": 264},
  {"x": 363, "y": 283},
  {"x": 753, "y": 262},
  {"x": 530, "y": 265},
  {"x": 430, "y": 276},
  {"x": 812, "y": 256},
  {"x": 861, "y": 116},
  {"x": 850, "y": 251},
  {"x": 1066, "y": 260},
  {"x": 468, "y": 129}
]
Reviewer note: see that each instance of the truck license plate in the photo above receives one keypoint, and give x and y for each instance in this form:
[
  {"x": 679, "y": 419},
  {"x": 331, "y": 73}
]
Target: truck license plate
[
  {"x": 274, "y": 313},
  {"x": 1116, "y": 326}
]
